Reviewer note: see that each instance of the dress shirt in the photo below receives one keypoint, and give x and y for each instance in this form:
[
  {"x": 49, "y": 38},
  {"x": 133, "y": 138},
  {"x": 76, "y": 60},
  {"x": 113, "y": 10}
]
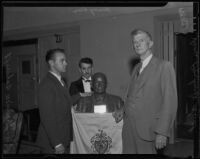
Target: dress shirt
[
  {"x": 58, "y": 77},
  {"x": 145, "y": 62},
  {"x": 86, "y": 85}
]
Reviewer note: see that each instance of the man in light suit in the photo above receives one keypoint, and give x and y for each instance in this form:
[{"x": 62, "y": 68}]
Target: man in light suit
[
  {"x": 151, "y": 102},
  {"x": 54, "y": 107}
]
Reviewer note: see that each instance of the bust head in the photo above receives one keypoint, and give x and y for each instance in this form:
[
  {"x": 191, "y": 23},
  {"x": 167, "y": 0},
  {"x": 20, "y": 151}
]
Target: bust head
[{"x": 99, "y": 83}]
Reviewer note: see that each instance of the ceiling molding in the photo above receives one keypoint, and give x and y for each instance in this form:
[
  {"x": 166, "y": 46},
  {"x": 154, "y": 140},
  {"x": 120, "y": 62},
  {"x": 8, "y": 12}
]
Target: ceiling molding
[{"x": 21, "y": 17}]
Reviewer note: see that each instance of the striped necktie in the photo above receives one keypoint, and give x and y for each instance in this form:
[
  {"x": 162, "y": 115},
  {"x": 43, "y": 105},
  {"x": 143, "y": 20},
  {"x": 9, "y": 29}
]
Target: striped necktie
[
  {"x": 138, "y": 69},
  {"x": 62, "y": 82}
]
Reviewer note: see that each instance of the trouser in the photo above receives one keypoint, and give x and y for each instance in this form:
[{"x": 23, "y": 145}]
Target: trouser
[{"x": 133, "y": 143}]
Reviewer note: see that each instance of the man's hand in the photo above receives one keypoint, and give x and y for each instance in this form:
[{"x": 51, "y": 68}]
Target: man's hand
[
  {"x": 161, "y": 141},
  {"x": 60, "y": 149},
  {"x": 74, "y": 107},
  {"x": 118, "y": 115},
  {"x": 85, "y": 94}
]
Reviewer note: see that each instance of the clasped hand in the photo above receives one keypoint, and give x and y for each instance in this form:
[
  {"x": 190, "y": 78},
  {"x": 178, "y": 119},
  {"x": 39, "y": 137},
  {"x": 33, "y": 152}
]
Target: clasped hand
[
  {"x": 161, "y": 141},
  {"x": 60, "y": 149},
  {"x": 118, "y": 115}
]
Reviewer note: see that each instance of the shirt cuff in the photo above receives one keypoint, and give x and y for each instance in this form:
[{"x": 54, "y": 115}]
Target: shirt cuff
[{"x": 58, "y": 145}]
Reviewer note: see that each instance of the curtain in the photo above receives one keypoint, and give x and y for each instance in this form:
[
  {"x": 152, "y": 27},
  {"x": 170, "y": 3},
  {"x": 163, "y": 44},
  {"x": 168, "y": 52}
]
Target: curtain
[{"x": 165, "y": 29}]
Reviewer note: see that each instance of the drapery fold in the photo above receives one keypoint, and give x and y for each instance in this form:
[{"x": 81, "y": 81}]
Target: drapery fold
[{"x": 96, "y": 134}]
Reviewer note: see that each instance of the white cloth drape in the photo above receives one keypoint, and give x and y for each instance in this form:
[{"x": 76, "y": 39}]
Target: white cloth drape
[{"x": 96, "y": 134}]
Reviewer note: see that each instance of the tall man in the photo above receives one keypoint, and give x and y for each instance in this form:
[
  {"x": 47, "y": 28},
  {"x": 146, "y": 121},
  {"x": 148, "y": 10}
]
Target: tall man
[
  {"x": 151, "y": 102},
  {"x": 82, "y": 87},
  {"x": 54, "y": 107}
]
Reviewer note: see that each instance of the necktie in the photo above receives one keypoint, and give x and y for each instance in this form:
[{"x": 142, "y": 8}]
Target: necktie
[
  {"x": 62, "y": 82},
  {"x": 138, "y": 69}
]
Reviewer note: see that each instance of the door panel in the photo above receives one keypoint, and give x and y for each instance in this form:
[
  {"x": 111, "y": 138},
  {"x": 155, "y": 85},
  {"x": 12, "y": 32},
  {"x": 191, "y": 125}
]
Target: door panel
[{"x": 27, "y": 82}]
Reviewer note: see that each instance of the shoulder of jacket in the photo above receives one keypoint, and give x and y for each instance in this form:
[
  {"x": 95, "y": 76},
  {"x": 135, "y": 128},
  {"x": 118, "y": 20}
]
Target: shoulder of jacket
[
  {"x": 75, "y": 82},
  {"x": 47, "y": 83},
  {"x": 162, "y": 62}
]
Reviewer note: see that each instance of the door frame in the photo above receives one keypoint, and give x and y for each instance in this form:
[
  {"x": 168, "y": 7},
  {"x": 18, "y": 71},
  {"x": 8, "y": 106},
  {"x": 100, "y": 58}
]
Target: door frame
[{"x": 12, "y": 43}]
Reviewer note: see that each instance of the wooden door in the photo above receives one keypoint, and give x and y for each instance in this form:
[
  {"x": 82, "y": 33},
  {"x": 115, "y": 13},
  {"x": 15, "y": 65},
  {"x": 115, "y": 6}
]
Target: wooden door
[
  {"x": 27, "y": 81},
  {"x": 19, "y": 59}
]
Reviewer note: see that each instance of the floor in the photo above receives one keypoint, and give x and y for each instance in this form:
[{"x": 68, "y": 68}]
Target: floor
[{"x": 181, "y": 148}]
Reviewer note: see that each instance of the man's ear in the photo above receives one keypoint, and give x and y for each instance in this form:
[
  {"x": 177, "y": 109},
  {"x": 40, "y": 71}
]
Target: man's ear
[
  {"x": 51, "y": 62},
  {"x": 79, "y": 70},
  {"x": 92, "y": 69},
  {"x": 150, "y": 44}
]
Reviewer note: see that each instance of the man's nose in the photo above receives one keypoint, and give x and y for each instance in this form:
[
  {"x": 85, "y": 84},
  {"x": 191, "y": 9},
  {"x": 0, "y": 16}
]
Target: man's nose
[
  {"x": 65, "y": 63},
  {"x": 100, "y": 84},
  {"x": 87, "y": 70},
  {"x": 137, "y": 45}
]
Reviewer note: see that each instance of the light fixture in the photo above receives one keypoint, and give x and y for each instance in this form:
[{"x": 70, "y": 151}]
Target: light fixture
[{"x": 58, "y": 38}]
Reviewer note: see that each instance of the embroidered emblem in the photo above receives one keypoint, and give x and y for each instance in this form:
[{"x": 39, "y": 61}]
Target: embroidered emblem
[{"x": 101, "y": 143}]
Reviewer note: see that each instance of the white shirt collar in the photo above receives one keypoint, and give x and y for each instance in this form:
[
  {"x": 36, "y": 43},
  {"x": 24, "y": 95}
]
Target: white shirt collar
[
  {"x": 86, "y": 85},
  {"x": 86, "y": 79},
  {"x": 146, "y": 61},
  {"x": 56, "y": 75}
]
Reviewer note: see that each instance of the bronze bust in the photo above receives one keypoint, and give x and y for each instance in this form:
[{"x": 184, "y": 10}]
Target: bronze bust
[{"x": 114, "y": 104}]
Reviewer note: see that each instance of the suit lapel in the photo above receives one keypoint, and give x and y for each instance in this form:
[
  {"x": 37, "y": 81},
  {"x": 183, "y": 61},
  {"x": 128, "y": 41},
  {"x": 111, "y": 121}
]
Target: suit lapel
[
  {"x": 145, "y": 75},
  {"x": 133, "y": 81},
  {"x": 80, "y": 85}
]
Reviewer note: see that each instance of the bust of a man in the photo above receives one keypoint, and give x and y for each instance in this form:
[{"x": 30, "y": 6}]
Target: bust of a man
[{"x": 99, "y": 97}]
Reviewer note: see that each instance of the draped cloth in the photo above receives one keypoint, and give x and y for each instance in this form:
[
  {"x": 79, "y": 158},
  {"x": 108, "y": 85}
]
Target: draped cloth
[{"x": 96, "y": 134}]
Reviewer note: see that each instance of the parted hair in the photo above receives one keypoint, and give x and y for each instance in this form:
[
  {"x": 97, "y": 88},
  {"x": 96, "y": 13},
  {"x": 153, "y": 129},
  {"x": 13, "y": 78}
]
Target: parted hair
[
  {"x": 85, "y": 60},
  {"x": 137, "y": 31}
]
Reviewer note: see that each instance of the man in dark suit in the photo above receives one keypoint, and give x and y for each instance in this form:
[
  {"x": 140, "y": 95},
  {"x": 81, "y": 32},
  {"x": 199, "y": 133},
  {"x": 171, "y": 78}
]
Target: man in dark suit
[
  {"x": 54, "y": 107},
  {"x": 82, "y": 87},
  {"x": 151, "y": 102},
  {"x": 112, "y": 103}
]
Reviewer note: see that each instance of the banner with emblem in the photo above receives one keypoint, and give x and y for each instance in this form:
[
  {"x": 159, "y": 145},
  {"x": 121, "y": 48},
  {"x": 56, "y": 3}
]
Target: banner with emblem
[{"x": 96, "y": 133}]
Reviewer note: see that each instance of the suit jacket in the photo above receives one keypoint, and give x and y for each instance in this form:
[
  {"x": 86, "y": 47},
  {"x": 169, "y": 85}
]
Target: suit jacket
[
  {"x": 152, "y": 99},
  {"x": 86, "y": 104},
  {"x": 55, "y": 114},
  {"x": 76, "y": 87}
]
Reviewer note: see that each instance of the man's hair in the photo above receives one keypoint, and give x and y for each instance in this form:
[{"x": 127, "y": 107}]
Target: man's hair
[
  {"x": 85, "y": 60},
  {"x": 138, "y": 31},
  {"x": 50, "y": 53}
]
